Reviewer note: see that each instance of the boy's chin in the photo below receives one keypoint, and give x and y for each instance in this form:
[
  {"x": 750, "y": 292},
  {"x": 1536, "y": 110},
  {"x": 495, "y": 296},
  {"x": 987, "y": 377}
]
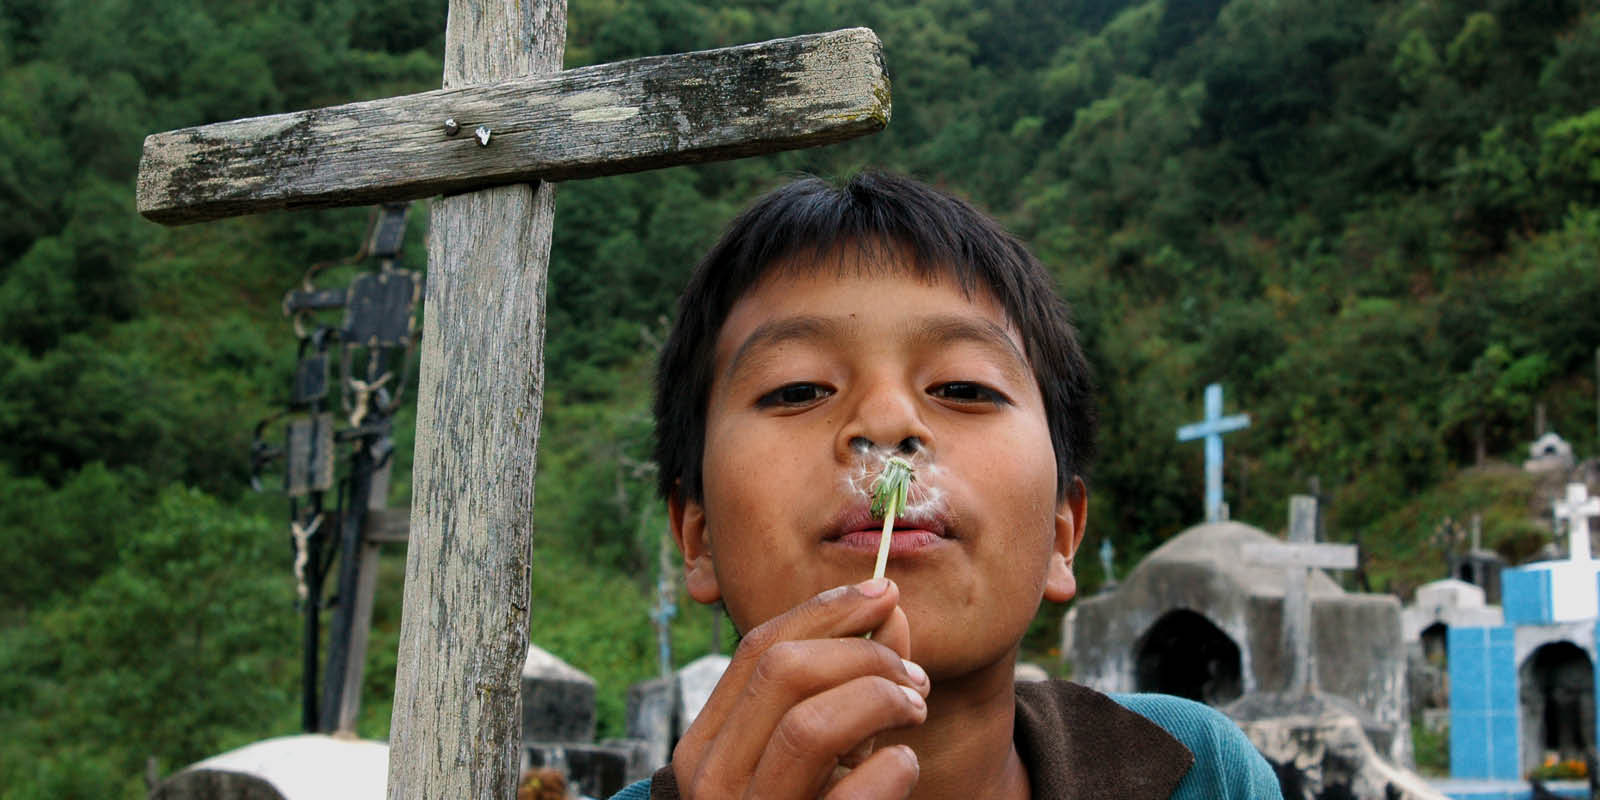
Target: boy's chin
[{"x": 957, "y": 651}]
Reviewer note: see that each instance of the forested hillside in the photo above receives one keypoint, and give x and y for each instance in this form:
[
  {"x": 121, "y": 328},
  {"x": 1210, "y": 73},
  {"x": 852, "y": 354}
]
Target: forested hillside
[{"x": 1376, "y": 222}]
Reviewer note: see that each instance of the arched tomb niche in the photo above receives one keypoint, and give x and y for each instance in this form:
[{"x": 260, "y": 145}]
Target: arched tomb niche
[
  {"x": 1435, "y": 644},
  {"x": 1557, "y": 700},
  {"x": 1185, "y": 654}
]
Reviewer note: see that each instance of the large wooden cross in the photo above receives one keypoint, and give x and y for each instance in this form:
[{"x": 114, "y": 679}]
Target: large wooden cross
[{"x": 506, "y": 123}]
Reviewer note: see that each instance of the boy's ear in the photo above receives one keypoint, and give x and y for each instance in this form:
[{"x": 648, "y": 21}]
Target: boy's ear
[
  {"x": 688, "y": 521},
  {"x": 1071, "y": 516}
]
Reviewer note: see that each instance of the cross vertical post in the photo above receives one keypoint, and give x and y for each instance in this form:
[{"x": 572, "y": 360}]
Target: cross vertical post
[
  {"x": 464, "y": 633},
  {"x": 1211, "y": 430},
  {"x": 1296, "y": 604},
  {"x": 1298, "y": 557},
  {"x": 1576, "y": 509}
]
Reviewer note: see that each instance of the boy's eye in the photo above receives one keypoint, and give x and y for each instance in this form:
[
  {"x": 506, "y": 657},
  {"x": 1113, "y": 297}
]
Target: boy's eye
[
  {"x": 794, "y": 394},
  {"x": 967, "y": 392}
]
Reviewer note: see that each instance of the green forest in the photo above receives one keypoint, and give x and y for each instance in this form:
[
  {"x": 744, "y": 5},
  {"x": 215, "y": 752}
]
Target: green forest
[{"x": 1376, "y": 222}]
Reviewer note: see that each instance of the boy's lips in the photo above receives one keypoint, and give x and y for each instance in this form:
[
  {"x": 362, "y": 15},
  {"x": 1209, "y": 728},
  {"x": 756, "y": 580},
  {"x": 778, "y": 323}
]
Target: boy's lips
[{"x": 855, "y": 529}]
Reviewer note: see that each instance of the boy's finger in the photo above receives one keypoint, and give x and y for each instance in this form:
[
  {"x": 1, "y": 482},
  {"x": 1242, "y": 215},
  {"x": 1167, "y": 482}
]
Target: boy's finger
[
  {"x": 789, "y": 674},
  {"x": 895, "y": 633},
  {"x": 806, "y": 745},
  {"x": 890, "y": 773},
  {"x": 837, "y": 612}
]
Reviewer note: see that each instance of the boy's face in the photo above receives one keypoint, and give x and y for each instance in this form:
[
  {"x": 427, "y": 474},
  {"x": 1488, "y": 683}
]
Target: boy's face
[{"x": 808, "y": 365}]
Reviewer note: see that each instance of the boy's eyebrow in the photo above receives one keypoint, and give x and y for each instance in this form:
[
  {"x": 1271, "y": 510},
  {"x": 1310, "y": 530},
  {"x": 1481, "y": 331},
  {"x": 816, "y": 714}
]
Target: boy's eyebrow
[
  {"x": 778, "y": 331},
  {"x": 946, "y": 330}
]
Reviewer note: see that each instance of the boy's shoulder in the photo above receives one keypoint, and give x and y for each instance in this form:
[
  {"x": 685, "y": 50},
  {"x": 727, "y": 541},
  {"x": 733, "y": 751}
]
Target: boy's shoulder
[{"x": 1079, "y": 742}]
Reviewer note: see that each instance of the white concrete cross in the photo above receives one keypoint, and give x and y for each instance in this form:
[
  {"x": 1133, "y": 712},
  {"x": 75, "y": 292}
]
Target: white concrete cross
[
  {"x": 1576, "y": 509},
  {"x": 1299, "y": 556},
  {"x": 506, "y": 124}
]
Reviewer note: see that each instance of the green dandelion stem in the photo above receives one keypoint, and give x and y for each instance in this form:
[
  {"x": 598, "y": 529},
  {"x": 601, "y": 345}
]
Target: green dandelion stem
[{"x": 889, "y": 494}]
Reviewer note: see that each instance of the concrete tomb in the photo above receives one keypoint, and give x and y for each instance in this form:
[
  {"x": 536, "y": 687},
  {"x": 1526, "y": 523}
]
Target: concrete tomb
[
  {"x": 1435, "y": 609},
  {"x": 1197, "y": 619},
  {"x": 558, "y": 722},
  {"x": 1549, "y": 453},
  {"x": 557, "y": 700},
  {"x": 1523, "y": 692}
]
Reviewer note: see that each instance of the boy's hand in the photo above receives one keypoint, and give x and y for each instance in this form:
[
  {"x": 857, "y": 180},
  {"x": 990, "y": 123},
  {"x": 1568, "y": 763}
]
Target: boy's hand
[{"x": 804, "y": 695}]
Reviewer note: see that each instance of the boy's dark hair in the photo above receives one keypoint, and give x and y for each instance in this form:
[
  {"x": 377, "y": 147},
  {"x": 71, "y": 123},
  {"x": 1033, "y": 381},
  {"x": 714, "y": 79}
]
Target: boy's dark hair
[{"x": 811, "y": 219}]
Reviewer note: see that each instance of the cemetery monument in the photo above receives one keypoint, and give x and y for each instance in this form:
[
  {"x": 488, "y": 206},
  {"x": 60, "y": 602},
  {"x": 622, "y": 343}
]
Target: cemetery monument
[{"x": 1524, "y": 690}]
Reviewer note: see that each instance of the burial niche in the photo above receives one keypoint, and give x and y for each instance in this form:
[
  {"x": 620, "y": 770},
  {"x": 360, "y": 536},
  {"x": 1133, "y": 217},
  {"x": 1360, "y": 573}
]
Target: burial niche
[
  {"x": 1558, "y": 712},
  {"x": 1436, "y": 644},
  {"x": 1184, "y": 654}
]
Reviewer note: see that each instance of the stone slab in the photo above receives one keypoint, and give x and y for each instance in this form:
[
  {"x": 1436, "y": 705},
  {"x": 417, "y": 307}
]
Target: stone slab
[{"x": 306, "y": 767}]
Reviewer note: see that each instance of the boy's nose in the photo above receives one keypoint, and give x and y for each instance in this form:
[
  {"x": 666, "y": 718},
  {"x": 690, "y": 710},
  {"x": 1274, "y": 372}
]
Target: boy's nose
[{"x": 886, "y": 419}]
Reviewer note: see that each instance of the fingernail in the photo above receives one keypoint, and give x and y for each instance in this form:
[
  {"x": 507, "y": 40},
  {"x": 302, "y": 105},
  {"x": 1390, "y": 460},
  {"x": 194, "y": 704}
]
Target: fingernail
[
  {"x": 914, "y": 695},
  {"x": 873, "y": 588},
  {"x": 911, "y": 755},
  {"x": 918, "y": 676}
]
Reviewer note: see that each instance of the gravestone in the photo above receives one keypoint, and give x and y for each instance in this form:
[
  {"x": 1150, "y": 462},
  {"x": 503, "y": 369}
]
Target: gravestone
[
  {"x": 1575, "y": 510},
  {"x": 557, "y": 700},
  {"x": 1479, "y": 566},
  {"x": 652, "y": 718},
  {"x": 661, "y": 709},
  {"x": 464, "y": 631},
  {"x": 1211, "y": 430},
  {"x": 1523, "y": 692},
  {"x": 1196, "y": 618},
  {"x": 1549, "y": 453},
  {"x": 305, "y": 767},
  {"x": 1435, "y": 609},
  {"x": 558, "y": 722},
  {"x": 696, "y": 681},
  {"x": 1321, "y": 744},
  {"x": 1297, "y": 558}
]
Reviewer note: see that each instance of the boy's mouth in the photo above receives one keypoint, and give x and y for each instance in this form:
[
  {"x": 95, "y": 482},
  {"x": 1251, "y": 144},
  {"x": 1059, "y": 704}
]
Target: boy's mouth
[{"x": 855, "y": 529}]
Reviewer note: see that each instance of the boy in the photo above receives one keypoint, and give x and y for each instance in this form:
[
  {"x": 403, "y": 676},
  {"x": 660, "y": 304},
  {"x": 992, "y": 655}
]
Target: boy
[{"x": 828, "y": 329}]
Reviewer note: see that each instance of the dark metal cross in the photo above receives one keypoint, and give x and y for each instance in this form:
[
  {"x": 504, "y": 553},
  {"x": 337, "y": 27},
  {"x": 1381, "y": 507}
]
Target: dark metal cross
[
  {"x": 506, "y": 123},
  {"x": 377, "y": 331}
]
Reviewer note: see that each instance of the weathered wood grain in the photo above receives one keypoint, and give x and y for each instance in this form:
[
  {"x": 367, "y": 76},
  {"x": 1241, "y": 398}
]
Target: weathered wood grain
[
  {"x": 623, "y": 117},
  {"x": 456, "y": 728}
]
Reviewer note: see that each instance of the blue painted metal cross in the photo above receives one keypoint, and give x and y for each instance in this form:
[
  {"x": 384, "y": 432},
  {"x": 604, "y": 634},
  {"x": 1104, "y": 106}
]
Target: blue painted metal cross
[{"x": 1211, "y": 429}]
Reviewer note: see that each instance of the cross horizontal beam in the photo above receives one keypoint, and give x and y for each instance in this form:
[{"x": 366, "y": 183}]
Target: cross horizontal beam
[
  {"x": 1200, "y": 430},
  {"x": 1302, "y": 554},
  {"x": 627, "y": 116}
]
